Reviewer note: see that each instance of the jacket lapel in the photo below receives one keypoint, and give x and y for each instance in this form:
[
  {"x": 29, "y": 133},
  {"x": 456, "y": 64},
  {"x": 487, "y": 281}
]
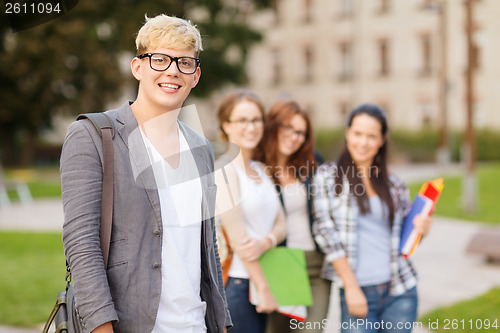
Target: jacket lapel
[
  {"x": 139, "y": 159},
  {"x": 202, "y": 156}
]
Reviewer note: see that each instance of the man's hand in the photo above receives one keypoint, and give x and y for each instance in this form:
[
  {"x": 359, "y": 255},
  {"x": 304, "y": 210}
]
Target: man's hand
[{"x": 356, "y": 301}]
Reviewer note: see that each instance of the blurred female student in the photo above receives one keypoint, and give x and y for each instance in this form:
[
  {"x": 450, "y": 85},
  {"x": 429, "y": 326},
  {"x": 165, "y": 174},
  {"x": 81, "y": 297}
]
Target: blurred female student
[
  {"x": 255, "y": 222},
  {"x": 359, "y": 207},
  {"x": 287, "y": 150}
]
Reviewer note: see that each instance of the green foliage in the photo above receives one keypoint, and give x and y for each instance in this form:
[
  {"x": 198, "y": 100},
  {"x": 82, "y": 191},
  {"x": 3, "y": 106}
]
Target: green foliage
[
  {"x": 40, "y": 190},
  {"x": 480, "y": 314},
  {"x": 72, "y": 64},
  {"x": 415, "y": 146},
  {"x": 33, "y": 273},
  {"x": 487, "y": 145},
  {"x": 450, "y": 201},
  {"x": 42, "y": 182},
  {"x": 329, "y": 142}
]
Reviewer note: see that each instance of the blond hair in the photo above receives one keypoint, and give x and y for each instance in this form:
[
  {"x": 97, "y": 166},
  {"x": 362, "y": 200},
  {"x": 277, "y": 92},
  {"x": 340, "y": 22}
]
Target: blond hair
[{"x": 170, "y": 32}]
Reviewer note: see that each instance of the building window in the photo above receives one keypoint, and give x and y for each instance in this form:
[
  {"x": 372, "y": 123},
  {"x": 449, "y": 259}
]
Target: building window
[
  {"x": 346, "y": 61},
  {"x": 426, "y": 114},
  {"x": 307, "y": 12},
  {"x": 276, "y": 70},
  {"x": 346, "y": 8},
  {"x": 344, "y": 110},
  {"x": 426, "y": 54},
  {"x": 276, "y": 11},
  {"x": 476, "y": 57},
  {"x": 383, "y": 54},
  {"x": 384, "y": 6},
  {"x": 308, "y": 63},
  {"x": 426, "y": 4}
]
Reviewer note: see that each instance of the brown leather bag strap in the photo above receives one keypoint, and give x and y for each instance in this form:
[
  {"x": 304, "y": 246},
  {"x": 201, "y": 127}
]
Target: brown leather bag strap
[
  {"x": 105, "y": 128},
  {"x": 107, "y": 193}
]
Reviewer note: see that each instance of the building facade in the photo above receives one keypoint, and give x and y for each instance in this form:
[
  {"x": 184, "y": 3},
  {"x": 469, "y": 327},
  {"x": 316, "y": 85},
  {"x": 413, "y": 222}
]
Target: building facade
[{"x": 331, "y": 55}]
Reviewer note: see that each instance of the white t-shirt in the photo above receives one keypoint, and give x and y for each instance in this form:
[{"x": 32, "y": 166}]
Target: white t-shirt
[
  {"x": 181, "y": 308},
  {"x": 260, "y": 205},
  {"x": 298, "y": 229}
]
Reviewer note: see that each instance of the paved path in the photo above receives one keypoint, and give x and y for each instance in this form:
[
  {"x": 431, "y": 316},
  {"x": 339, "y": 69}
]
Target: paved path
[
  {"x": 447, "y": 273},
  {"x": 41, "y": 215}
]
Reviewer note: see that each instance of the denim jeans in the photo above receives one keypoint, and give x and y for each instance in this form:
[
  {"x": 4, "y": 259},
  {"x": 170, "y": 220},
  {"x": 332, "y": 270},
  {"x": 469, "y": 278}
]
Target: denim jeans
[
  {"x": 245, "y": 318},
  {"x": 385, "y": 313}
]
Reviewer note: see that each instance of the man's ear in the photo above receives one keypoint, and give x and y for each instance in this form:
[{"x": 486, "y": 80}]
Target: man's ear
[
  {"x": 135, "y": 67},
  {"x": 197, "y": 75}
]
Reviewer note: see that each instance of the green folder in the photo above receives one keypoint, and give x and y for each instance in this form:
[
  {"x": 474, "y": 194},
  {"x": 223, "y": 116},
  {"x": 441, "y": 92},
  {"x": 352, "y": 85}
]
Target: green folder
[{"x": 286, "y": 274}]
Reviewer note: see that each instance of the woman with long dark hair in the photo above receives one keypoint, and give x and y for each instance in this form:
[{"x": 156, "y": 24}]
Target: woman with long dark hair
[
  {"x": 359, "y": 207},
  {"x": 287, "y": 150}
]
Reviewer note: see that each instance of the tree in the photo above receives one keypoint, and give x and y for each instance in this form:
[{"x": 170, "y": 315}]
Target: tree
[{"x": 71, "y": 65}]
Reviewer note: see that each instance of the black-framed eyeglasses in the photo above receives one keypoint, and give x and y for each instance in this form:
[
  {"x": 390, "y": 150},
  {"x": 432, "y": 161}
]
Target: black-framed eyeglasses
[
  {"x": 243, "y": 123},
  {"x": 161, "y": 62},
  {"x": 289, "y": 131}
]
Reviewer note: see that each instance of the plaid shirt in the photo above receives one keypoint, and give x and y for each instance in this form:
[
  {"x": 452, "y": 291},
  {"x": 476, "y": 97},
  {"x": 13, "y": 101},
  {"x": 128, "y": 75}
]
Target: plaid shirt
[{"x": 335, "y": 227}]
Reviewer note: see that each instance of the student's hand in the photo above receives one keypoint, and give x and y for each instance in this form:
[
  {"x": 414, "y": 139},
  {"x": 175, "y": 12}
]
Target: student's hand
[
  {"x": 267, "y": 302},
  {"x": 356, "y": 301},
  {"x": 422, "y": 223},
  {"x": 251, "y": 249},
  {"x": 104, "y": 328}
]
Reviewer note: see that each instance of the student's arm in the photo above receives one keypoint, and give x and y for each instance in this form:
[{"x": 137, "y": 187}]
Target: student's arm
[
  {"x": 233, "y": 223},
  {"x": 325, "y": 228},
  {"x": 422, "y": 223},
  {"x": 104, "y": 328},
  {"x": 267, "y": 302},
  {"x": 251, "y": 249},
  {"x": 81, "y": 183},
  {"x": 354, "y": 296},
  {"x": 227, "y": 206},
  {"x": 326, "y": 233}
]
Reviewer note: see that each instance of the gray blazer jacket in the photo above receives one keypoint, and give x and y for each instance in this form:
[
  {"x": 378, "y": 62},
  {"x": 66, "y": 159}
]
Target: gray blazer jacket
[{"x": 128, "y": 293}]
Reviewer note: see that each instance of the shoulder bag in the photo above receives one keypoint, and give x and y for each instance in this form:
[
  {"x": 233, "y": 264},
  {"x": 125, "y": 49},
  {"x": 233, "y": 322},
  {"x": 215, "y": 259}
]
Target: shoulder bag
[{"x": 64, "y": 313}]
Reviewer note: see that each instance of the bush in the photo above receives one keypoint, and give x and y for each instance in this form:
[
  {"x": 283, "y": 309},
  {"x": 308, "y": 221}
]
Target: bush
[
  {"x": 415, "y": 146},
  {"x": 329, "y": 142},
  {"x": 487, "y": 143}
]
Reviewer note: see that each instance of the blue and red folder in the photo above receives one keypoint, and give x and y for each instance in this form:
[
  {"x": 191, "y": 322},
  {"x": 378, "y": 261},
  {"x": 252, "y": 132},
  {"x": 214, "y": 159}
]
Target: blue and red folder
[{"x": 423, "y": 203}]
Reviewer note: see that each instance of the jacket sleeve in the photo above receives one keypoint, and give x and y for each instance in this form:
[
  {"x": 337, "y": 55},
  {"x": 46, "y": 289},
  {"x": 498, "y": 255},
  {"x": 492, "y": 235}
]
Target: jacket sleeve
[
  {"x": 220, "y": 279},
  {"x": 81, "y": 181},
  {"x": 325, "y": 227}
]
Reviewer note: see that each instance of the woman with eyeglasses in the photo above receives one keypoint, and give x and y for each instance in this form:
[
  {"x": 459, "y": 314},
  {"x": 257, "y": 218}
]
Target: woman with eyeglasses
[
  {"x": 359, "y": 207},
  {"x": 253, "y": 219},
  {"x": 287, "y": 150}
]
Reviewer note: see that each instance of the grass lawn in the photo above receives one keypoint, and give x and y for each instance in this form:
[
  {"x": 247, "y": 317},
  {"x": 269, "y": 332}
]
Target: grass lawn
[
  {"x": 481, "y": 314},
  {"x": 450, "y": 202},
  {"x": 33, "y": 272},
  {"x": 42, "y": 182}
]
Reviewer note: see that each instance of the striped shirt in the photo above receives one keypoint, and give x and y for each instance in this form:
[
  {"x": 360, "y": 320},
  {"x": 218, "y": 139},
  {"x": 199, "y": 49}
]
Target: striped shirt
[{"x": 335, "y": 227}]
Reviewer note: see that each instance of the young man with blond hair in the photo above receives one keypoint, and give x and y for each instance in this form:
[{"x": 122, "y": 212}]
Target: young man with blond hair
[{"x": 163, "y": 272}]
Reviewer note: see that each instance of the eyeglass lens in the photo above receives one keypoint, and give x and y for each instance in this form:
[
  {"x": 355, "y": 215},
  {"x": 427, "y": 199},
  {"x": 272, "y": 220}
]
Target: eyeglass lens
[
  {"x": 289, "y": 130},
  {"x": 161, "y": 62},
  {"x": 256, "y": 122}
]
